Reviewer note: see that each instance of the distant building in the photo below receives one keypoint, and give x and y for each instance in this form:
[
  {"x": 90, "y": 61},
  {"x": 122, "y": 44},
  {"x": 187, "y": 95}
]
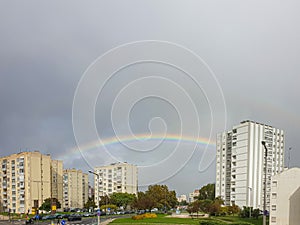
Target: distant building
[
  {"x": 240, "y": 163},
  {"x": 91, "y": 192},
  {"x": 27, "y": 179},
  {"x": 193, "y": 196},
  {"x": 285, "y": 198},
  {"x": 116, "y": 177},
  {"x": 57, "y": 180},
  {"x": 75, "y": 186},
  {"x": 182, "y": 198}
]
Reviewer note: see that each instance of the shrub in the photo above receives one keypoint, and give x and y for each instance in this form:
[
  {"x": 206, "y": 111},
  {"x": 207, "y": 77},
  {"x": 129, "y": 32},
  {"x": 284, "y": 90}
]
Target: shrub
[
  {"x": 144, "y": 216},
  {"x": 211, "y": 222},
  {"x": 241, "y": 223}
]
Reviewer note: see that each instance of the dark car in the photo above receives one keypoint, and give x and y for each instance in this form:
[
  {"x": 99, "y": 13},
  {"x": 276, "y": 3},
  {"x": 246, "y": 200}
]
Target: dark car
[{"x": 74, "y": 217}]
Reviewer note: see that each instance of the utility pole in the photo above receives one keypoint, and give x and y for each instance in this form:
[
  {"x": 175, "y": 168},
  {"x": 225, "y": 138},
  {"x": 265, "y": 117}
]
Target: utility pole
[
  {"x": 265, "y": 184},
  {"x": 98, "y": 212},
  {"x": 290, "y": 149}
]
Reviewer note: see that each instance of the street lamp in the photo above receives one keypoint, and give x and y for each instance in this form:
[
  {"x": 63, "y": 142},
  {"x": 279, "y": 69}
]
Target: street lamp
[
  {"x": 250, "y": 198},
  {"x": 98, "y": 212},
  {"x": 265, "y": 183}
]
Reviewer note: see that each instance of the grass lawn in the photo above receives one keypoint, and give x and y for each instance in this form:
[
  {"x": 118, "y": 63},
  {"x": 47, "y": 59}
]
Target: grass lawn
[{"x": 162, "y": 219}]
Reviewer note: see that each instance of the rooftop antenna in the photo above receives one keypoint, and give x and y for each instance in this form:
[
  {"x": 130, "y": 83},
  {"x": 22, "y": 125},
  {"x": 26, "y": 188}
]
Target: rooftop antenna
[{"x": 289, "y": 159}]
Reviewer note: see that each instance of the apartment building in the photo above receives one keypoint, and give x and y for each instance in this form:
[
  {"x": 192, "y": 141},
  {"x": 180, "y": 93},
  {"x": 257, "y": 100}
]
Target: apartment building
[
  {"x": 182, "y": 198},
  {"x": 285, "y": 198},
  {"x": 240, "y": 163},
  {"x": 193, "y": 196},
  {"x": 116, "y": 177},
  {"x": 75, "y": 188},
  {"x": 57, "y": 180},
  {"x": 26, "y": 180}
]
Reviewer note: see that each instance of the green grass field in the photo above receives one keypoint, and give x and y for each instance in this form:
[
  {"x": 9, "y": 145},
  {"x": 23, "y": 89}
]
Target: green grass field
[{"x": 162, "y": 219}]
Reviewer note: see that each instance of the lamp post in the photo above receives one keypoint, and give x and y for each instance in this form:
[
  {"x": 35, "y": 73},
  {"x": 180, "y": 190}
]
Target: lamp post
[
  {"x": 250, "y": 193},
  {"x": 265, "y": 182},
  {"x": 98, "y": 212}
]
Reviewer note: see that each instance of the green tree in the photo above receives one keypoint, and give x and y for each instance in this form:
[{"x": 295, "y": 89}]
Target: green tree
[
  {"x": 256, "y": 213},
  {"x": 194, "y": 207},
  {"x": 104, "y": 200},
  {"x": 122, "y": 199},
  {"x": 233, "y": 209},
  {"x": 143, "y": 201},
  {"x": 205, "y": 205},
  {"x": 207, "y": 192},
  {"x": 110, "y": 206},
  {"x": 162, "y": 197},
  {"x": 90, "y": 204},
  {"x": 47, "y": 204}
]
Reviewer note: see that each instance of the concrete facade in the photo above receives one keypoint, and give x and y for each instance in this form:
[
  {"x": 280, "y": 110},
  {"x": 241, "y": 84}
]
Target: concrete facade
[
  {"x": 75, "y": 188},
  {"x": 240, "y": 163},
  {"x": 285, "y": 198},
  {"x": 116, "y": 177},
  {"x": 27, "y": 179}
]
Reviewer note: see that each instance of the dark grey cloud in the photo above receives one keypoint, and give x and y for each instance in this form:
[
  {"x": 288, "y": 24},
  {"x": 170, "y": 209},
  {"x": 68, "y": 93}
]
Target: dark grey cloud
[{"x": 253, "y": 48}]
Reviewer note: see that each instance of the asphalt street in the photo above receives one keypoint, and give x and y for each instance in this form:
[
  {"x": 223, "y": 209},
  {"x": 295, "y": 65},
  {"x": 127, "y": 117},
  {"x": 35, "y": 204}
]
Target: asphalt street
[{"x": 84, "y": 221}]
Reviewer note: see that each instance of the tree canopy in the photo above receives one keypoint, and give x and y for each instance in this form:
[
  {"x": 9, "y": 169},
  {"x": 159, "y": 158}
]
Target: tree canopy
[
  {"x": 207, "y": 192},
  {"x": 122, "y": 199},
  {"x": 47, "y": 204},
  {"x": 90, "y": 204}
]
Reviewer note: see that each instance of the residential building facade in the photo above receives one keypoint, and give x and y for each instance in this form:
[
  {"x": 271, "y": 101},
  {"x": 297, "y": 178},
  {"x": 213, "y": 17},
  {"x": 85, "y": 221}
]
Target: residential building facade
[
  {"x": 285, "y": 198},
  {"x": 182, "y": 198},
  {"x": 26, "y": 180},
  {"x": 116, "y": 177},
  {"x": 240, "y": 163},
  {"x": 193, "y": 196},
  {"x": 75, "y": 188}
]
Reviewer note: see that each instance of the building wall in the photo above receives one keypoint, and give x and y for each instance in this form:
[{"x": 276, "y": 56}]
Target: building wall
[
  {"x": 285, "y": 198},
  {"x": 57, "y": 180},
  {"x": 75, "y": 185},
  {"x": 240, "y": 163},
  {"x": 117, "y": 177},
  {"x": 85, "y": 188},
  {"x": 25, "y": 180}
]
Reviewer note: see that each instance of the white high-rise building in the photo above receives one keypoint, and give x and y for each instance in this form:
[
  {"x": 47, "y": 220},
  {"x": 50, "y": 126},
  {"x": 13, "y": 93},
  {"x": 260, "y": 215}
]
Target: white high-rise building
[
  {"x": 116, "y": 177},
  {"x": 285, "y": 198},
  {"x": 240, "y": 163}
]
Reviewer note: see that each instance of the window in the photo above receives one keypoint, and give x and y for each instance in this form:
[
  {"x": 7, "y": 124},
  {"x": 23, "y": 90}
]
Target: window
[
  {"x": 273, "y": 207},
  {"x": 273, "y": 219},
  {"x": 274, "y": 184},
  {"x": 274, "y": 195}
]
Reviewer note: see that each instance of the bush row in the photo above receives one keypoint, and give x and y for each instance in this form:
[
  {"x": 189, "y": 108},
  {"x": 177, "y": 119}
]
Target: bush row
[
  {"x": 215, "y": 222},
  {"x": 144, "y": 216}
]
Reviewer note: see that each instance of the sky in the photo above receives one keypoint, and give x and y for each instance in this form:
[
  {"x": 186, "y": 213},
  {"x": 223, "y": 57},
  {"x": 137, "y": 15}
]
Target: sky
[{"x": 146, "y": 82}]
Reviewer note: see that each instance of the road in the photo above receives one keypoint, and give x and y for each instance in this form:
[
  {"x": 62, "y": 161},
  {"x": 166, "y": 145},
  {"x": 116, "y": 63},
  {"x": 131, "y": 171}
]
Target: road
[{"x": 84, "y": 221}]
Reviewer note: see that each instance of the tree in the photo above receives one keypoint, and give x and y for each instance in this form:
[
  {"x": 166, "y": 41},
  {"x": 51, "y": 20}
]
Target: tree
[
  {"x": 90, "y": 204},
  {"x": 207, "y": 192},
  {"x": 104, "y": 200},
  {"x": 162, "y": 197},
  {"x": 122, "y": 199},
  {"x": 233, "y": 209},
  {"x": 143, "y": 202},
  {"x": 194, "y": 207},
  {"x": 256, "y": 213},
  {"x": 106, "y": 207},
  {"x": 47, "y": 204},
  {"x": 205, "y": 205}
]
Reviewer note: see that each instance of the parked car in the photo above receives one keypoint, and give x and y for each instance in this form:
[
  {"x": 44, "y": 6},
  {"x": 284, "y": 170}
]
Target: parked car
[
  {"x": 66, "y": 216},
  {"x": 74, "y": 217},
  {"x": 87, "y": 215},
  {"x": 48, "y": 217}
]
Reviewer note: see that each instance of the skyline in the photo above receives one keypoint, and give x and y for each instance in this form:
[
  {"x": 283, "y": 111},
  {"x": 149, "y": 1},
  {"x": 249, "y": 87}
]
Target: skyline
[{"x": 46, "y": 48}]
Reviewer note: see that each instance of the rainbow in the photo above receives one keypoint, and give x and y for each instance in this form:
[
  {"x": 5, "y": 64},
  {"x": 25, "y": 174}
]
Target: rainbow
[{"x": 140, "y": 137}]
